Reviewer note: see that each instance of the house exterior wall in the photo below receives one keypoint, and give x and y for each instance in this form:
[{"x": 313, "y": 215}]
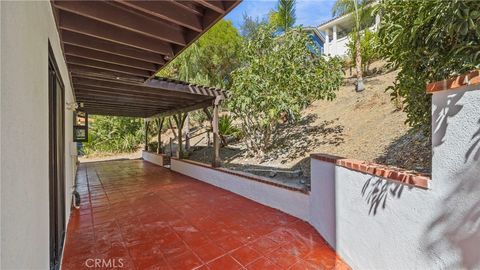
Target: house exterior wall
[
  {"x": 26, "y": 29},
  {"x": 374, "y": 223}
]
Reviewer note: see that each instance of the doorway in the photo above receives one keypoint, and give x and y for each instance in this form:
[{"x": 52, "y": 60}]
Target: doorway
[{"x": 56, "y": 134}]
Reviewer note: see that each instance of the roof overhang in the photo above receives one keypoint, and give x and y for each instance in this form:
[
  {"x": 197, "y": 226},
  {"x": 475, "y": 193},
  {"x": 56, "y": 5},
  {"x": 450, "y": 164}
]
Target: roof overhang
[
  {"x": 346, "y": 19},
  {"x": 113, "y": 49}
]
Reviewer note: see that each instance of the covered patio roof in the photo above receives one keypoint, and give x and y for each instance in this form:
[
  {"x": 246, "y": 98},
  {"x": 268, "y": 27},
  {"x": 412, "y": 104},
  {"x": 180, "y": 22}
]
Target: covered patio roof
[{"x": 113, "y": 49}]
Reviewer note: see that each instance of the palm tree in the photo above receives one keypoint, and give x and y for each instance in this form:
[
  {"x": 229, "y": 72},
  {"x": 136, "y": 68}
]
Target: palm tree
[
  {"x": 284, "y": 15},
  {"x": 361, "y": 14}
]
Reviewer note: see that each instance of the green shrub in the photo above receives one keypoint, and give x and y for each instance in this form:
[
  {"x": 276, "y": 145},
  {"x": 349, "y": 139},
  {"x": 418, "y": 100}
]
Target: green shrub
[
  {"x": 111, "y": 134},
  {"x": 368, "y": 48},
  {"x": 427, "y": 41},
  {"x": 226, "y": 127},
  {"x": 280, "y": 76}
]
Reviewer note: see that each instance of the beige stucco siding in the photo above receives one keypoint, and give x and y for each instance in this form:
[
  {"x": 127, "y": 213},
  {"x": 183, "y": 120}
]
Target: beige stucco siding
[{"x": 26, "y": 28}]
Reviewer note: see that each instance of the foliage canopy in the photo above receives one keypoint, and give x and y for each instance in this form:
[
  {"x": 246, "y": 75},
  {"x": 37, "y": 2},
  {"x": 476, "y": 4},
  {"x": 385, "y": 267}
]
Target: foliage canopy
[
  {"x": 428, "y": 41},
  {"x": 368, "y": 47},
  {"x": 279, "y": 76},
  {"x": 210, "y": 60},
  {"x": 283, "y": 18},
  {"x": 112, "y": 134}
]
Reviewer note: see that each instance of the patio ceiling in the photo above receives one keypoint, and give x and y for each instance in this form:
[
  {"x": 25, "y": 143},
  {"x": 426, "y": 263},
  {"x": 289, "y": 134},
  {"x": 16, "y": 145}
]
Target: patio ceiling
[{"x": 113, "y": 49}]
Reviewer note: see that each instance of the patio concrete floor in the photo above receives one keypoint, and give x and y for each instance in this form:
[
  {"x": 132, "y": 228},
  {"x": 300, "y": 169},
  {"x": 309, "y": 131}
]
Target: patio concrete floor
[{"x": 136, "y": 215}]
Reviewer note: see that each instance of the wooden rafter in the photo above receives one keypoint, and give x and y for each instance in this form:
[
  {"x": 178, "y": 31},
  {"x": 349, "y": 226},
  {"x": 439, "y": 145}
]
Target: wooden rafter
[
  {"x": 82, "y": 25},
  {"x": 80, "y": 40},
  {"x": 122, "y": 18},
  {"x": 85, "y": 62},
  {"x": 113, "y": 49},
  {"x": 216, "y": 6},
  {"x": 108, "y": 58},
  {"x": 168, "y": 11}
]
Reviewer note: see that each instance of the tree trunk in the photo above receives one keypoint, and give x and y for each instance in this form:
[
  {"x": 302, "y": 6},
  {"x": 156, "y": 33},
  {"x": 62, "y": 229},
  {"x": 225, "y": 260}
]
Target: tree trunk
[
  {"x": 187, "y": 132},
  {"x": 179, "y": 146},
  {"x": 159, "y": 135},
  {"x": 146, "y": 135},
  {"x": 358, "y": 63}
]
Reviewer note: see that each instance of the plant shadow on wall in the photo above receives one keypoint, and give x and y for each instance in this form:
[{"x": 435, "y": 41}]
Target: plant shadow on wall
[
  {"x": 445, "y": 109},
  {"x": 474, "y": 150},
  {"x": 457, "y": 227},
  {"x": 376, "y": 192},
  {"x": 295, "y": 139}
]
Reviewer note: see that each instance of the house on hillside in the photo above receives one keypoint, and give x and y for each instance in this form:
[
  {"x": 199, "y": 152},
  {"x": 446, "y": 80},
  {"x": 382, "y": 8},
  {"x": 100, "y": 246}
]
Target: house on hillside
[
  {"x": 317, "y": 37},
  {"x": 335, "y": 32}
]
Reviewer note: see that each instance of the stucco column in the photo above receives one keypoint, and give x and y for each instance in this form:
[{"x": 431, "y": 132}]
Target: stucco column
[
  {"x": 456, "y": 168},
  {"x": 334, "y": 38},
  {"x": 455, "y": 126},
  {"x": 327, "y": 42}
]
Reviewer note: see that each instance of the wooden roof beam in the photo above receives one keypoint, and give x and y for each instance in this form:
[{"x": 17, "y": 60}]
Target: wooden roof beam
[
  {"x": 216, "y": 6},
  {"x": 167, "y": 88},
  {"x": 86, "y": 26},
  {"x": 168, "y": 11},
  {"x": 79, "y": 61},
  {"x": 200, "y": 105},
  {"x": 88, "y": 100},
  {"x": 88, "y": 42},
  {"x": 185, "y": 88},
  {"x": 103, "y": 107},
  {"x": 120, "y": 106},
  {"x": 86, "y": 93},
  {"x": 118, "y": 86},
  {"x": 91, "y": 71},
  {"x": 85, "y": 72},
  {"x": 108, "y": 58},
  {"x": 130, "y": 92},
  {"x": 110, "y": 14},
  {"x": 114, "y": 113}
]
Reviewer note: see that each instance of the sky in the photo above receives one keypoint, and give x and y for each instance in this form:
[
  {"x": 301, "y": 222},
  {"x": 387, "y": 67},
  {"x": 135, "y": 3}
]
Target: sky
[{"x": 308, "y": 12}]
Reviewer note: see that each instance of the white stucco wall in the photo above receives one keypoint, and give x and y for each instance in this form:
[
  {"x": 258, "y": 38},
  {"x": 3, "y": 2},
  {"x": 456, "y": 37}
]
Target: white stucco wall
[
  {"x": 26, "y": 28},
  {"x": 153, "y": 158},
  {"x": 338, "y": 48},
  {"x": 378, "y": 224},
  {"x": 291, "y": 202}
]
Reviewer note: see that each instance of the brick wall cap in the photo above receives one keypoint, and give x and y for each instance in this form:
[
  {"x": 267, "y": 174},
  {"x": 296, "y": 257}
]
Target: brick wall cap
[
  {"x": 470, "y": 78},
  {"x": 392, "y": 173}
]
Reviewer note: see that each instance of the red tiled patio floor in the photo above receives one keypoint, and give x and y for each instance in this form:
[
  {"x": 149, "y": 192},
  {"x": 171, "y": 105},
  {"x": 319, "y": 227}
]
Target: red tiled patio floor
[{"x": 137, "y": 215}]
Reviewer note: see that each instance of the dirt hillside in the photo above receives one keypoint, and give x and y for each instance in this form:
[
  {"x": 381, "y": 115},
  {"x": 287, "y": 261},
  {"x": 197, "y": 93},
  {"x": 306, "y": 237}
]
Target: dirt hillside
[{"x": 365, "y": 126}]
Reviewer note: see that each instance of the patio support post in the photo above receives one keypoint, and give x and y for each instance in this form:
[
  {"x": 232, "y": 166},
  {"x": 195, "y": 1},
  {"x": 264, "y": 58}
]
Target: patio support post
[
  {"x": 160, "y": 122},
  {"x": 179, "y": 120},
  {"x": 187, "y": 132},
  {"x": 216, "y": 162},
  {"x": 146, "y": 134}
]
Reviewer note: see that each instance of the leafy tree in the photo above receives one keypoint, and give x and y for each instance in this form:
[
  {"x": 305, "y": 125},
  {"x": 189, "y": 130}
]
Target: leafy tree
[
  {"x": 280, "y": 75},
  {"x": 362, "y": 15},
  {"x": 428, "y": 41},
  {"x": 210, "y": 60},
  {"x": 112, "y": 134},
  {"x": 283, "y": 17},
  {"x": 368, "y": 47}
]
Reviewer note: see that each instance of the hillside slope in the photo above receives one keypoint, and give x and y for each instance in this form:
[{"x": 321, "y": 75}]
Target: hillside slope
[{"x": 365, "y": 126}]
